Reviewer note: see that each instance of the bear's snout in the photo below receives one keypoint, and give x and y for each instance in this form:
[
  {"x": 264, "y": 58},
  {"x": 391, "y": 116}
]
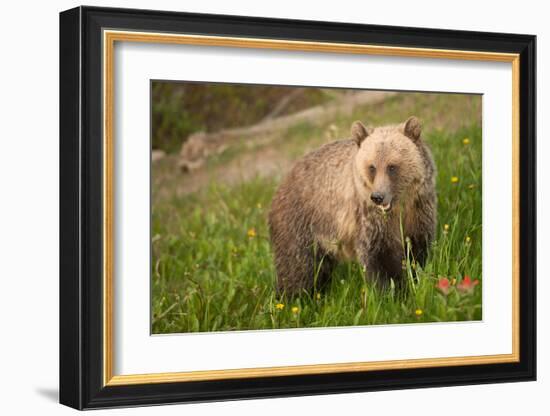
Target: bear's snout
[
  {"x": 382, "y": 200},
  {"x": 377, "y": 197}
]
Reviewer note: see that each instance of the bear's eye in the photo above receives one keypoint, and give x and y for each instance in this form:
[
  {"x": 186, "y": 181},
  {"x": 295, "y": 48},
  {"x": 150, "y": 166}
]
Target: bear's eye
[
  {"x": 392, "y": 168},
  {"x": 372, "y": 169}
]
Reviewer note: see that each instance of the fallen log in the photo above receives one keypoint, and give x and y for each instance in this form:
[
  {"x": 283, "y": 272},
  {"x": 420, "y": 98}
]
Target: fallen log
[{"x": 199, "y": 146}]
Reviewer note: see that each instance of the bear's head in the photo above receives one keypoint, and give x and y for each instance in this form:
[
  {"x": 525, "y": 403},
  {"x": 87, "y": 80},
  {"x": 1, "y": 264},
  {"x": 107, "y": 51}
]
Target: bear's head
[{"x": 389, "y": 162}]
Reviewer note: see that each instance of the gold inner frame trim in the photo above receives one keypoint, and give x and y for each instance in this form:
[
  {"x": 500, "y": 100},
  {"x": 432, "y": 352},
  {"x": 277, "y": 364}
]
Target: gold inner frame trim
[{"x": 112, "y": 36}]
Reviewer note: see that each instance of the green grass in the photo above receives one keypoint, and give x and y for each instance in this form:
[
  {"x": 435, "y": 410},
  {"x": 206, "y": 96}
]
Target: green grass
[{"x": 213, "y": 269}]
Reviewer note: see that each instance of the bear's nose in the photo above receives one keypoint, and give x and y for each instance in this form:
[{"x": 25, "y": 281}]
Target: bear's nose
[{"x": 377, "y": 198}]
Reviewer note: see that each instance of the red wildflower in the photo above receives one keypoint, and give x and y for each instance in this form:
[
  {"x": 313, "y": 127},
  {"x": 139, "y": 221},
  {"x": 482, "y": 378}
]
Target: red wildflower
[
  {"x": 467, "y": 285},
  {"x": 443, "y": 285}
]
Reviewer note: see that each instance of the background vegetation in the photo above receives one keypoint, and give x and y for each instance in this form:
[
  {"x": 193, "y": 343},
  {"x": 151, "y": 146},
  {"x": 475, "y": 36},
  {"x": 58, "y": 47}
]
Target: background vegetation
[
  {"x": 212, "y": 266},
  {"x": 175, "y": 114}
]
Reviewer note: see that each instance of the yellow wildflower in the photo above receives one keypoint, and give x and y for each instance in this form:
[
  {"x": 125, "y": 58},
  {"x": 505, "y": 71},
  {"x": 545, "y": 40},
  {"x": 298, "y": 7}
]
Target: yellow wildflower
[
  {"x": 295, "y": 309},
  {"x": 454, "y": 179},
  {"x": 418, "y": 312},
  {"x": 446, "y": 227},
  {"x": 280, "y": 306},
  {"x": 318, "y": 296},
  {"x": 251, "y": 233},
  {"x": 466, "y": 141},
  {"x": 468, "y": 239}
]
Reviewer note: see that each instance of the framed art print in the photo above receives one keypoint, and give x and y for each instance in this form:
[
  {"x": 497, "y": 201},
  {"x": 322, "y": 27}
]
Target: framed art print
[{"x": 259, "y": 207}]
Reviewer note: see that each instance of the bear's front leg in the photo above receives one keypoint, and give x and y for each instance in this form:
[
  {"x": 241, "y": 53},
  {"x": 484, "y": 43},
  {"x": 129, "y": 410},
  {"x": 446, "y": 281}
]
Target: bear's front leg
[
  {"x": 421, "y": 229},
  {"x": 382, "y": 262}
]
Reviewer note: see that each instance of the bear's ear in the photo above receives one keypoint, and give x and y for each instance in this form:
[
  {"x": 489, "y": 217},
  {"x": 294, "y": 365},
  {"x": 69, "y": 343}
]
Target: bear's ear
[
  {"x": 412, "y": 128},
  {"x": 358, "y": 132}
]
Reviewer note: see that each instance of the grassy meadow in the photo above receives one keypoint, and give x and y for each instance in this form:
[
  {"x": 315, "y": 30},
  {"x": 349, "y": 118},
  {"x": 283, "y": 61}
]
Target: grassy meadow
[{"x": 212, "y": 267}]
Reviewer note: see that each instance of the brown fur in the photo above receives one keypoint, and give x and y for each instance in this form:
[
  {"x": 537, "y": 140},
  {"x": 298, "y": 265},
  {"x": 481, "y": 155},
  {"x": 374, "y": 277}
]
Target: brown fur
[{"x": 322, "y": 212}]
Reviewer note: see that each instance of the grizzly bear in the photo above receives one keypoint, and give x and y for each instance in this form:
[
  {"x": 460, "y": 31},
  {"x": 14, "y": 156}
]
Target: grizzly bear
[{"x": 355, "y": 199}]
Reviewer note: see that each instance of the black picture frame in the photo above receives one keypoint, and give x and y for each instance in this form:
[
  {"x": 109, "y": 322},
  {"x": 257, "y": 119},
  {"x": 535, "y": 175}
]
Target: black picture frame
[{"x": 81, "y": 199}]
